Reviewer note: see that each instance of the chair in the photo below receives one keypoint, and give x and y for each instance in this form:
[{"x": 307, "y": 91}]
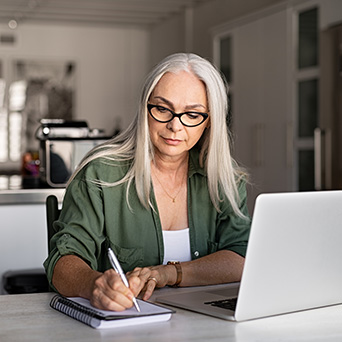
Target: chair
[
  {"x": 34, "y": 280},
  {"x": 52, "y": 214}
]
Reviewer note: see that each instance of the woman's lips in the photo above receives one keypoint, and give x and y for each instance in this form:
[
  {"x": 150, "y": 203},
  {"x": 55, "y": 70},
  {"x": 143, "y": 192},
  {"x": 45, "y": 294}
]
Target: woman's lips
[{"x": 173, "y": 142}]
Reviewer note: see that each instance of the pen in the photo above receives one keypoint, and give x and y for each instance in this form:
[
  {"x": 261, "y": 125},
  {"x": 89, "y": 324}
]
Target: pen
[{"x": 117, "y": 267}]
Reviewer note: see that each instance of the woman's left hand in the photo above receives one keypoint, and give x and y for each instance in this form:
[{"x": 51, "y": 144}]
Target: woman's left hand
[{"x": 154, "y": 276}]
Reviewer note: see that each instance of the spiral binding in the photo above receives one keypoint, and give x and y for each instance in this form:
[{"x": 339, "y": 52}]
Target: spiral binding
[{"x": 76, "y": 311}]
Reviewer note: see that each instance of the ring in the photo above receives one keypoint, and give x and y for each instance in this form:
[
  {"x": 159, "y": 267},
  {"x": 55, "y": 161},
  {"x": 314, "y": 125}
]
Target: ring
[{"x": 153, "y": 279}]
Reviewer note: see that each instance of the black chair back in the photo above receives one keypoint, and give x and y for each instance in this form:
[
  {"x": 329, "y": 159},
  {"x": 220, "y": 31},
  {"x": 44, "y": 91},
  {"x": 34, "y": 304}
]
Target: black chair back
[{"x": 52, "y": 214}]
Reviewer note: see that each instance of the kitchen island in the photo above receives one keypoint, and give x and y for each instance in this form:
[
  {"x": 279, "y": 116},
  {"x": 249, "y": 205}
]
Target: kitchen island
[{"x": 23, "y": 231}]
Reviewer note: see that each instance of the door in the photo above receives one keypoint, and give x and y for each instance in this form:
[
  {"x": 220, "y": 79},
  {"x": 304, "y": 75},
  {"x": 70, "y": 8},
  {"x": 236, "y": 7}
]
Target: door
[{"x": 328, "y": 137}]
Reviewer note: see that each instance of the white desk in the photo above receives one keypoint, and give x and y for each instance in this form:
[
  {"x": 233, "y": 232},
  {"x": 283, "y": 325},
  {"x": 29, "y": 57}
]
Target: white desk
[{"x": 29, "y": 318}]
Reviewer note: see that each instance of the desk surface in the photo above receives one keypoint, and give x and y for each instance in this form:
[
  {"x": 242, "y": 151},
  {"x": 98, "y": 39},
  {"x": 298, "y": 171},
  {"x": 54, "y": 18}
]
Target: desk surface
[{"x": 29, "y": 318}]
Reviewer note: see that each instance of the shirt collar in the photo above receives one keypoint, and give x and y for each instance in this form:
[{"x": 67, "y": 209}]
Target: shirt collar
[{"x": 194, "y": 165}]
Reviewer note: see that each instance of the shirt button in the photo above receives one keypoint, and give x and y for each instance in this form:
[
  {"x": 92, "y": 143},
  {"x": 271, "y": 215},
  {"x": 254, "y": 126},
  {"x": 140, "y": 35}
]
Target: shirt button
[{"x": 196, "y": 253}]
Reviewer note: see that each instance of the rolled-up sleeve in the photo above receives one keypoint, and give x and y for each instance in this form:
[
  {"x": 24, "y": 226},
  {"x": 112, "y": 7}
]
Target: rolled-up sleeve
[{"x": 80, "y": 227}]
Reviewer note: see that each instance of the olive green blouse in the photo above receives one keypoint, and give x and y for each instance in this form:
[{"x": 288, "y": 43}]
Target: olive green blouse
[{"x": 95, "y": 217}]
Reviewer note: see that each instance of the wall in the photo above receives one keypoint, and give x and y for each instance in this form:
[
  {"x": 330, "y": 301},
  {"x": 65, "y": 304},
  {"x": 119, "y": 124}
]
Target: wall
[
  {"x": 111, "y": 63},
  {"x": 218, "y": 12},
  {"x": 331, "y": 14},
  {"x": 168, "y": 37}
]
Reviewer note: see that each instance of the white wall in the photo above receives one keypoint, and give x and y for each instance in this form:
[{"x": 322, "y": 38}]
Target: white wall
[{"x": 111, "y": 64}]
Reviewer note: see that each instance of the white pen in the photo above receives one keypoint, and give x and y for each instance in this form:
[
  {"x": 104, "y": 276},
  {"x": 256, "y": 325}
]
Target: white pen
[{"x": 117, "y": 267}]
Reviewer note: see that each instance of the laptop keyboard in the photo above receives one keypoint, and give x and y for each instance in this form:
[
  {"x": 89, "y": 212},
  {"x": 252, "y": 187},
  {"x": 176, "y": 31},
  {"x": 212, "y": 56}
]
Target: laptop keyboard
[{"x": 229, "y": 303}]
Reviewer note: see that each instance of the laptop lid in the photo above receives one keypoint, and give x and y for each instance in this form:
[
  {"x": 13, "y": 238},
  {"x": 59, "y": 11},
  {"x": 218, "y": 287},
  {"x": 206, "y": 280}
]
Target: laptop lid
[{"x": 293, "y": 260}]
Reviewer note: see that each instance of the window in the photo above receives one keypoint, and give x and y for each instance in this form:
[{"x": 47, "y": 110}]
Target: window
[
  {"x": 308, "y": 38},
  {"x": 30, "y": 91},
  {"x": 3, "y": 119},
  {"x": 307, "y": 94},
  {"x": 223, "y": 59}
]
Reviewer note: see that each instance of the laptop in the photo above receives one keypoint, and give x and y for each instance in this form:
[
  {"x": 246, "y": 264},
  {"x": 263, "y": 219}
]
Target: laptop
[{"x": 293, "y": 261}]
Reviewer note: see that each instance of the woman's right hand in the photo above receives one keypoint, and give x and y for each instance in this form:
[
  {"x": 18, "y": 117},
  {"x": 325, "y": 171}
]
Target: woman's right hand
[
  {"x": 73, "y": 277},
  {"x": 110, "y": 293}
]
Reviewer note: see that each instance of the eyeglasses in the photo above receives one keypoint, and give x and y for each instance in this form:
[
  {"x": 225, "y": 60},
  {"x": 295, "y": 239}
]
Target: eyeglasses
[{"x": 189, "y": 119}]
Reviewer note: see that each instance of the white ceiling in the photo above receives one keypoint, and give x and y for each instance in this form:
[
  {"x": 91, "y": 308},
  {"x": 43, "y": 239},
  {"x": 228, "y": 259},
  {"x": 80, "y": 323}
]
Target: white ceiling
[{"x": 104, "y": 12}]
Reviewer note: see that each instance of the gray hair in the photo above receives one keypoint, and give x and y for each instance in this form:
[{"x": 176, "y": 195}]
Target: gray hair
[{"x": 134, "y": 143}]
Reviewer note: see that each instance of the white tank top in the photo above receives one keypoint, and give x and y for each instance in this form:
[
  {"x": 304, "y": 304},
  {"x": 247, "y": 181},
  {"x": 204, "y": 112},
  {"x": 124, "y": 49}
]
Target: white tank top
[{"x": 176, "y": 245}]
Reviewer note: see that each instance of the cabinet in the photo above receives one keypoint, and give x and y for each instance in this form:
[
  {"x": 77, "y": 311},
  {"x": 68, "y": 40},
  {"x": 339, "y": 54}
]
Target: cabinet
[
  {"x": 23, "y": 232},
  {"x": 274, "y": 97},
  {"x": 261, "y": 117}
]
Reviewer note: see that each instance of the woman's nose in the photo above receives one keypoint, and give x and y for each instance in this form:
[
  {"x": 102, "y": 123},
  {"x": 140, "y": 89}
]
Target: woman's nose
[{"x": 175, "y": 125}]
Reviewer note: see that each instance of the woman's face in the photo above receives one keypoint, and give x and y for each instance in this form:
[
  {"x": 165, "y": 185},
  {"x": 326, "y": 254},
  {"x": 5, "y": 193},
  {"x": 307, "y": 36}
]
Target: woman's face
[{"x": 180, "y": 92}]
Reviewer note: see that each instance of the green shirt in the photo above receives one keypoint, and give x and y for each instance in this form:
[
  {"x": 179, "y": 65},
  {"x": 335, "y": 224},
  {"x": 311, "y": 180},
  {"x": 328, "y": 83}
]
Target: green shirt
[{"x": 95, "y": 217}]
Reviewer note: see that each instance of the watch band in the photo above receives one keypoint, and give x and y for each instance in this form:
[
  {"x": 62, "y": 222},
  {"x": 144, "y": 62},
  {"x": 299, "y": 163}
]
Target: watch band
[{"x": 179, "y": 272}]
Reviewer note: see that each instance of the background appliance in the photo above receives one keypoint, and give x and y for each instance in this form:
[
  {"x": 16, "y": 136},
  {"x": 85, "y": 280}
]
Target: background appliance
[{"x": 63, "y": 144}]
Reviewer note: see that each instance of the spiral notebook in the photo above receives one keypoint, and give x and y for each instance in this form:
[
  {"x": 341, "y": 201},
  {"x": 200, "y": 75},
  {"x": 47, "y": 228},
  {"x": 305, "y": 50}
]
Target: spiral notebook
[{"x": 81, "y": 310}]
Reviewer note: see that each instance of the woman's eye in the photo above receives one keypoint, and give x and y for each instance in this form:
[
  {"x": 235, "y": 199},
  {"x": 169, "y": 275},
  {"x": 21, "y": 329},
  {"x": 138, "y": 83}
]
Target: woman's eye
[
  {"x": 192, "y": 116},
  {"x": 162, "y": 109}
]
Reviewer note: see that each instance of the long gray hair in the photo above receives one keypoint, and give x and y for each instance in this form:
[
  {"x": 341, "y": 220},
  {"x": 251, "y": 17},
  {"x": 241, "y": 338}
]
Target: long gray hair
[{"x": 134, "y": 143}]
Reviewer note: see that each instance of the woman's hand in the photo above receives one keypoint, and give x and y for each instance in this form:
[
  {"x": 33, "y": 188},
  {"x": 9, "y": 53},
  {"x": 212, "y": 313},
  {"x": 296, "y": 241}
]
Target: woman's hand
[
  {"x": 154, "y": 276},
  {"x": 110, "y": 293},
  {"x": 73, "y": 277}
]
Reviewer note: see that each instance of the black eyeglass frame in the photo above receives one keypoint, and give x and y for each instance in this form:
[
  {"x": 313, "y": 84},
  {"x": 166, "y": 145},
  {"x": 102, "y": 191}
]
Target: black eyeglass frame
[{"x": 177, "y": 115}]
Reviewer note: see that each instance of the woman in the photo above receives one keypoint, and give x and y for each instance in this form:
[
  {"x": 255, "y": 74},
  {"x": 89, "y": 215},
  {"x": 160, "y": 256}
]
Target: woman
[{"x": 165, "y": 189}]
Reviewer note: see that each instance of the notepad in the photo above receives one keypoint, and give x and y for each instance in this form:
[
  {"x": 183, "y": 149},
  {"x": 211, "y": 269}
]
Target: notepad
[{"x": 81, "y": 310}]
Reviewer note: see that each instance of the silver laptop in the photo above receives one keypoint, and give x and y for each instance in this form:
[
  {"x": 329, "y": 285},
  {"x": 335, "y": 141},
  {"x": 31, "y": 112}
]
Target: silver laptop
[{"x": 293, "y": 261}]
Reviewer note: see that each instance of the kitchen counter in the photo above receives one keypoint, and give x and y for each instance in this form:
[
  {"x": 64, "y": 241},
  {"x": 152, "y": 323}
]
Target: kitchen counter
[
  {"x": 29, "y": 196},
  {"x": 23, "y": 226},
  {"x": 12, "y": 192}
]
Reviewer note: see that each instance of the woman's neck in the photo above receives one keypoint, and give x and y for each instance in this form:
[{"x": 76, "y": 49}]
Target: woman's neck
[{"x": 171, "y": 166}]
